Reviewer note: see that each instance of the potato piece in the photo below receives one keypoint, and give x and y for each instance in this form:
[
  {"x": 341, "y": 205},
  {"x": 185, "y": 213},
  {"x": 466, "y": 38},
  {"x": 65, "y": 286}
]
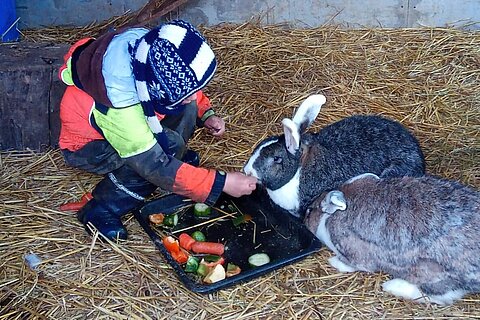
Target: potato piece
[{"x": 216, "y": 274}]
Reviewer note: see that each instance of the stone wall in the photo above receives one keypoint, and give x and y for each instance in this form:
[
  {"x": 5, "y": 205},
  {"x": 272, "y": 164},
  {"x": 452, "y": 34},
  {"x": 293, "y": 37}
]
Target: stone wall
[{"x": 350, "y": 13}]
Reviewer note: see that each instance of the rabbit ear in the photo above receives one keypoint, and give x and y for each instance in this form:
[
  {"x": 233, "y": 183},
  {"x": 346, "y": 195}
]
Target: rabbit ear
[
  {"x": 303, "y": 118},
  {"x": 292, "y": 135},
  {"x": 367, "y": 175},
  {"x": 333, "y": 201},
  {"x": 308, "y": 111}
]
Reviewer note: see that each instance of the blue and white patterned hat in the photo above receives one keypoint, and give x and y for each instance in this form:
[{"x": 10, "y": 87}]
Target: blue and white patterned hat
[{"x": 170, "y": 63}]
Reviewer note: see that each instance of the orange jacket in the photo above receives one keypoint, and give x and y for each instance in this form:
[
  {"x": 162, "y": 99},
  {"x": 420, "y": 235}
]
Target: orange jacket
[
  {"x": 75, "y": 111},
  {"x": 76, "y": 107}
]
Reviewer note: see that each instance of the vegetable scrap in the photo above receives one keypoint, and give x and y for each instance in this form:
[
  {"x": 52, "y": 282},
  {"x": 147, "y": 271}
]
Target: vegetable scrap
[
  {"x": 199, "y": 236},
  {"x": 201, "y": 210},
  {"x": 156, "y": 218},
  {"x": 241, "y": 219},
  {"x": 208, "y": 247},
  {"x": 173, "y": 247},
  {"x": 186, "y": 241},
  {"x": 210, "y": 268},
  {"x": 203, "y": 269},
  {"x": 212, "y": 260},
  {"x": 192, "y": 264},
  {"x": 201, "y": 257},
  {"x": 258, "y": 259},
  {"x": 171, "y": 220},
  {"x": 216, "y": 274},
  {"x": 232, "y": 270}
]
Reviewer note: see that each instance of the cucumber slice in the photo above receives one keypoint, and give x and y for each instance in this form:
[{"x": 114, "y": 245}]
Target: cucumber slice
[
  {"x": 258, "y": 259},
  {"x": 170, "y": 220},
  {"x": 201, "y": 210}
]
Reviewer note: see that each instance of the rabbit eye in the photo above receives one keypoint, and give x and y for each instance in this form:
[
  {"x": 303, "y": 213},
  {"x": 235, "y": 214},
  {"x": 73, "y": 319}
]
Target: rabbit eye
[{"x": 277, "y": 159}]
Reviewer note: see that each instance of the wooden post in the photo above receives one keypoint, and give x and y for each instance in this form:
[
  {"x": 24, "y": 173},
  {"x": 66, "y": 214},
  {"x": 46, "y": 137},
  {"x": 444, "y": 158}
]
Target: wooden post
[{"x": 30, "y": 93}]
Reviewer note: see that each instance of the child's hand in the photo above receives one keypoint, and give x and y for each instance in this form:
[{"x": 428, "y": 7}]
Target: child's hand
[
  {"x": 215, "y": 125},
  {"x": 238, "y": 184}
]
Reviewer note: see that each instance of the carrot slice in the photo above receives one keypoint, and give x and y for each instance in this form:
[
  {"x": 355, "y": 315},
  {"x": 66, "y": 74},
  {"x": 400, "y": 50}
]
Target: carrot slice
[
  {"x": 186, "y": 241},
  {"x": 208, "y": 247}
]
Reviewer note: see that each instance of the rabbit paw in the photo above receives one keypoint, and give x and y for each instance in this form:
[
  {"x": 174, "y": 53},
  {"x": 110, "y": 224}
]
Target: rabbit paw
[
  {"x": 404, "y": 289},
  {"x": 340, "y": 266},
  {"x": 448, "y": 298},
  {"x": 407, "y": 290}
]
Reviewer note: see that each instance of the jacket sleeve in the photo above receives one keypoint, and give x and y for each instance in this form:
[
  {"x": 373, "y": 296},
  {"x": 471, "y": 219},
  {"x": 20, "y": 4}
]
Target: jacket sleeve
[
  {"x": 204, "y": 107},
  {"x": 198, "y": 184},
  {"x": 128, "y": 132}
]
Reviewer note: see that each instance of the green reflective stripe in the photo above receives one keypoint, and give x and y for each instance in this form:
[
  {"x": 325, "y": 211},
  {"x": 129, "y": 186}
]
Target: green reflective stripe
[
  {"x": 207, "y": 114},
  {"x": 67, "y": 73},
  {"x": 126, "y": 130}
]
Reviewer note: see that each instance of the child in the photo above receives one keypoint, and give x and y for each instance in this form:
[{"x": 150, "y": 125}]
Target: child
[{"x": 132, "y": 102}]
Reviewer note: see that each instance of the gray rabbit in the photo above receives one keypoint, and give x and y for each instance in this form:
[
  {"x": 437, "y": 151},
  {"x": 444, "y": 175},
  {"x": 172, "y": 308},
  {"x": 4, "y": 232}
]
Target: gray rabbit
[
  {"x": 424, "y": 231},
  {"x": 297, "y": 166}
]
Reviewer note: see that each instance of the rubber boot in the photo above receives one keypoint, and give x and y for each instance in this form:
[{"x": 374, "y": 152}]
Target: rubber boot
[{"x": 120, "y": 192}]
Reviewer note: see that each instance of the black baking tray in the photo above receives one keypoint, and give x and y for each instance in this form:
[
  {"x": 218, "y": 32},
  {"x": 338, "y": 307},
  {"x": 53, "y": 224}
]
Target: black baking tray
[{"x": 283, "y": 237}]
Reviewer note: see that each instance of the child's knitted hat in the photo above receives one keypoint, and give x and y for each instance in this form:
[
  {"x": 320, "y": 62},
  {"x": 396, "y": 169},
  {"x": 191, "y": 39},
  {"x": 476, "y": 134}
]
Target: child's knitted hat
[{"x": 170, "y": 63}]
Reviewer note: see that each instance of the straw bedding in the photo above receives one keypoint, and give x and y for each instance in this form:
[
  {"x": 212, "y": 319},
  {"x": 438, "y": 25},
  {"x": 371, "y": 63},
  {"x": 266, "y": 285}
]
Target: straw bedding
[{"x": 428, "y": 79}]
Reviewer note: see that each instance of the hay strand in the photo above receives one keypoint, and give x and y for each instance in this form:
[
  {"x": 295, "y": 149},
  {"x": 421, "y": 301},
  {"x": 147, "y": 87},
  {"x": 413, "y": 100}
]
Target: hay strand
[{"x": 426, "y": 78}]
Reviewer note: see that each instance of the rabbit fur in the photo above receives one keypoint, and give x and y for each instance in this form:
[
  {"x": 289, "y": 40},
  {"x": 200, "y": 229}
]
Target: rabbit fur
[
  {"x": 296, "y": 167},
  {"x": 423, "y": 231}
]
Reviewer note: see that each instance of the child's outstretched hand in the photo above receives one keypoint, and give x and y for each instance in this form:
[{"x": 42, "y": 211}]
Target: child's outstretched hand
[
  {"x": 238, "y": 184},
  {"x": 215, "y": 125}
]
